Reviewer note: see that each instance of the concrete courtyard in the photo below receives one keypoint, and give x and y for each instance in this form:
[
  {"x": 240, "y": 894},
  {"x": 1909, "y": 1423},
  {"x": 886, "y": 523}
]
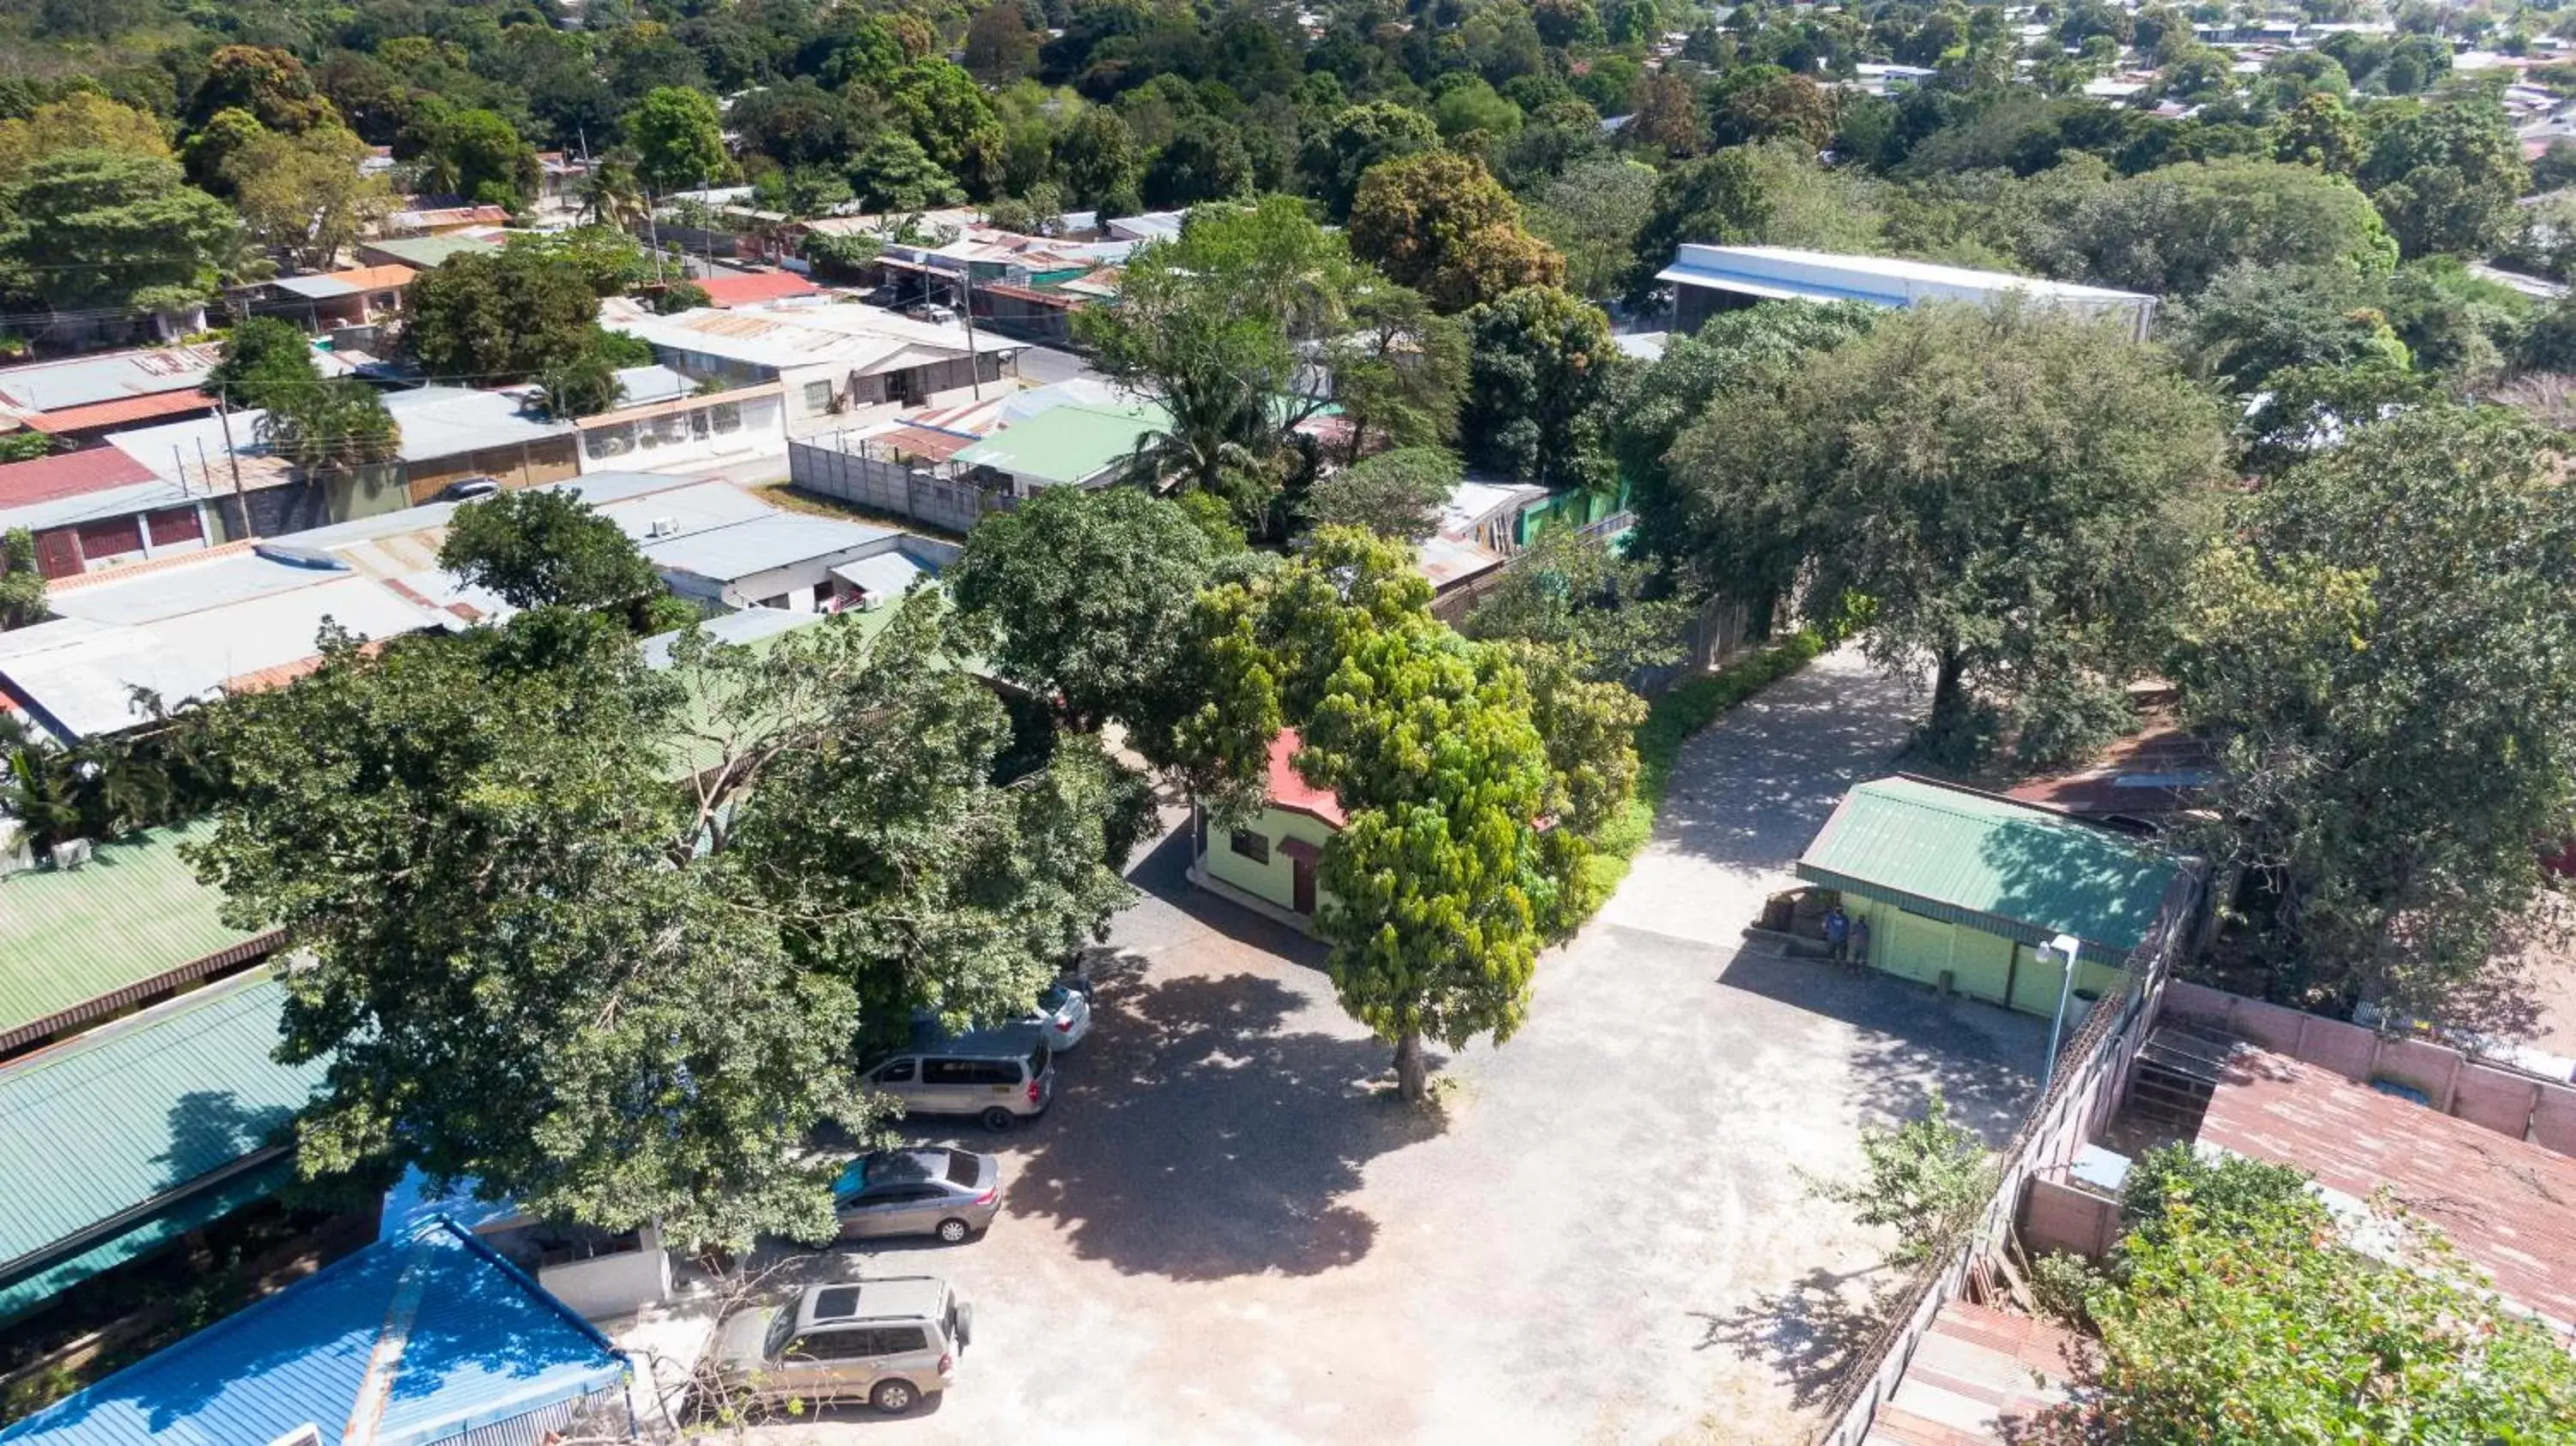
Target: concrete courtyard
[{"x": 1225, "y": 1232}]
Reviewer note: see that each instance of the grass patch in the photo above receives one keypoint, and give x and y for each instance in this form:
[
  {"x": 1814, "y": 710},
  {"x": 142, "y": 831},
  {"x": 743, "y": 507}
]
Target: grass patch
[{"x": 1671, "y": 719}]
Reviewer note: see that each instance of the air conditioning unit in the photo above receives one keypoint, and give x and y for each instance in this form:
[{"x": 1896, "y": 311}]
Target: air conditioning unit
[
  {"x": 662, "y": 527},
  {"x": 71, "y": 853}
]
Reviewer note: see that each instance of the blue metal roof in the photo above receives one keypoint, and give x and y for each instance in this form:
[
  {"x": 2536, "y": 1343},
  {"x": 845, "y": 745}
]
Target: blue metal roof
[{"x": 406, "y": 1343}]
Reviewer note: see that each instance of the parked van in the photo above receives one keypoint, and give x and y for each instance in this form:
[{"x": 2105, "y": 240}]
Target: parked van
[
  {"x": 888, "y": 1342},
  {"x": 997, "y": 1075}
]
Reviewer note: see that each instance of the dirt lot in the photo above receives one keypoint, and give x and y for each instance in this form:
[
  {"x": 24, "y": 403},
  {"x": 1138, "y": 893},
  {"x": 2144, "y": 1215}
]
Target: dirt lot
[{"x": 1224, "y": 1232}]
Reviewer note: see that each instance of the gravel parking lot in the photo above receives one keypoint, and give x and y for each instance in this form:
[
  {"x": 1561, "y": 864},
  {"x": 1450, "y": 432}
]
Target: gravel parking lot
[{"x": 1224, "y": 1231}]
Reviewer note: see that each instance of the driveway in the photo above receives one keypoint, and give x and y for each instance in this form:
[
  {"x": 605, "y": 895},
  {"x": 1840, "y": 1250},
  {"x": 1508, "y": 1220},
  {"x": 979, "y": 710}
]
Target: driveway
[{"x": 1225, "y": 1232}]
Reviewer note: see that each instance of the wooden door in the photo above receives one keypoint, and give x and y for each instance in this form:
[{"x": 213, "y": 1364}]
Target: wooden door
[{"x": 1301, "y": 881}]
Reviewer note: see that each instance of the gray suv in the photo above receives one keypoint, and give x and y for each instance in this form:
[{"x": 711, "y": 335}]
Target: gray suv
[
  {"x": 888, "y": 1342},
  {"x": 997, "y": 1075}
]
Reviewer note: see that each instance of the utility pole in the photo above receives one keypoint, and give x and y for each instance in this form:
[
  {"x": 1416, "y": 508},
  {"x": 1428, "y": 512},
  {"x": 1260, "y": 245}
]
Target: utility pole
[
  {"x": 966, "y": 297},
  {"x": 223, "y": 413}
]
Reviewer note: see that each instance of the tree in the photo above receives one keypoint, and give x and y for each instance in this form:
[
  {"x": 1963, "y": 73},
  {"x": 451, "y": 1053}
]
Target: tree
[
  {"x": 1718, "y": 200},
  {"x": 609, "y": 261},
  {"x": 2246, "y": 1308},
  {"x": 1591, "y": 214},
  {"x": 498, "y": 317},
  {"x": 1396, "y": 495},
  {"x": 92, "y": 228},
  {"x": 262, "y": 357},
  {"x": 1098, "y": 160},
  {"x": 2173, "y": 230},
  {"x": 1469, "y": 106},
  {"x": 82, "y": 120},
  {"x": 545, "y": 549},
  {"x": 1443, "y": 884},
  {"x": 2013, "y": 491},
  {"x": 22, "y": 581},
  {"x": 1358, "y": 139},
  {"x": 1215, "y": 329},
  {"x": 2320, "y": 132},
  {"x": 1441, "y": 224},
  {"x": 1205, "y": 160},
  {"x": 1928, "y": 1178},
  {"x": 326, "y": 424},
  {"x": 2446, "y": 177},
  {"x": 270, "y": 84},
  {"x": 1667, "y": 119},
  {"x": 304, "y": 196},
  {"x": 1398, "y": 369},
  {"x": 678, "y": 138},
  {"x": 1086, "y": 593},
  {"x": 1539, "y": 362},
  {"x": 1589, "y": 601},
  {"x": 2384, "y": 782},
  {"x": 2255, "y": 322},
  {"x": 1758, "y": 103},
  {"x": 947, "y": 112},
  {"x": 611, "y": 999},
  {"x": 1000, "y": 47},
  {"x": 471, "y": 153},
  {"x": 895, "y": 174}
]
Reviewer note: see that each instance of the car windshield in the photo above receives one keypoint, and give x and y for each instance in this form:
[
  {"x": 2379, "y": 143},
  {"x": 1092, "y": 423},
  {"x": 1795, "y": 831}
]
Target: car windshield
[
  {"x": 782, "y": 1325},
  {"x": 1053, "y": 999},
  {"x": 962, "y": 1169}
]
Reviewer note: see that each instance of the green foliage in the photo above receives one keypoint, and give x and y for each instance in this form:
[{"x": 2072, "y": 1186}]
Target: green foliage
[
  {"x": 1395, "y": 495},
  {"x": 545, "y": 548},
  {"x": 25, "y": 445},
  {"x": 1398, "y": 369},
  {"x": 1694, "y": 703},
  {"x": 537, "y": 962},
  {"x": 2385, "y": 780},
  {"x": 261, "y": 356},
  {"x": 2246, "y": 1315},
  {"x": 93, "y": 228},
  {"x": 678, "y": 138},
  {"x": 2015, "y": 490},
  {"x": 470, "y": 153},
  {"x": 1358, "y": 139},
  {"x": 609, "y": 261},
  {"x": 1928, "y": 1178},
  {"x": 302, "y": 195},
  {"x": 2445, "y": 176},
  {"x": 1539, "y": 362},
  {"x": 1583, "y": 597},
  {"x": 2173, "y": 230},
  {"x": 1205, "y": 160},
  {"x": 494, "y": 318},
  {"x": 894, "y": 173},
  {"x": 1439, "y": 223},
  {"x": 22, "y": 584},
  {"x": 1086, "y": 593},
  {"x": 2227, "y": 1187},
  {"x": 1591, "y": 214}
]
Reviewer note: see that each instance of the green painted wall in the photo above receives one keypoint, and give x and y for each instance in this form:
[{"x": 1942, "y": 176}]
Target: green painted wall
[
  {"x": 1273, "y": 881},
  {"x": 1980, "y": 965}
]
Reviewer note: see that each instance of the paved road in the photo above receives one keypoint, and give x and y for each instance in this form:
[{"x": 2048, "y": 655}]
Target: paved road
[
  {"x": 1040, "y": 365},
  {"x": 1225, "y": 1233}
]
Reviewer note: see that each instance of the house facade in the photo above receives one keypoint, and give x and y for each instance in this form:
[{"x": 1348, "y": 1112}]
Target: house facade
[{"x": 1270, "y": 865}]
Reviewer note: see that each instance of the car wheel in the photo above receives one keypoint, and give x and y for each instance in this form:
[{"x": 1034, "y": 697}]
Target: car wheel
[
  {"x": 996, "y": 1119},
  {"x": 892, "y": 1397},
  {"x": 953, "y": 1232}
]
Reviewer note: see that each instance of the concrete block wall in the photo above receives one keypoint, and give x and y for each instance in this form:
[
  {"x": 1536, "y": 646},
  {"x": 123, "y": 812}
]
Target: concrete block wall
[{"x": 2519, "y": 1105}]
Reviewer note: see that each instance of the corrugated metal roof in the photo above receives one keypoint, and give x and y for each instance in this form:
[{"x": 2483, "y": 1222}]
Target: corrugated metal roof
[
  {"x": 212, "y": 1204},
  {"x": 885, "y": 575},
  {"x": 134, "y": 912},
  {"x": 138, "y": 1111},
  {"x": 1991, "y": 864},
  {"x": 760, "y": 544},
  {"x": 440, "y": 422},
  {"x": 409, "y": 1341},
  {"x": 1065, "y": 444},
  {"x": 67, "y": 475},
  {"x": 80, "y": 381},
  {"x": 123, "y": 409}
]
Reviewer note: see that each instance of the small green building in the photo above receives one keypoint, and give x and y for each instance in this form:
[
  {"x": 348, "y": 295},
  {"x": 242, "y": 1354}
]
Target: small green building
[
  {"x": 1960, "y": 888},
  {"x": 1269, "y": 864}
]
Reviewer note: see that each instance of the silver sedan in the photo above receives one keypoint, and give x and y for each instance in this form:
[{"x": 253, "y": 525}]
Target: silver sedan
[{"x": 950, "y": 1194}]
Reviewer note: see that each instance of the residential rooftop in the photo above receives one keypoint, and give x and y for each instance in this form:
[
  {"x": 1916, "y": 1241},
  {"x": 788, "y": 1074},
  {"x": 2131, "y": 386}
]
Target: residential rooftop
[
  {"x": 1067, "y": 445},
  {"x": 120, "y": 1140},
  {"x": 82, "y": 943},
  {"x": 862, "y": 338},
  {"x": 761, "y": 544},
  {"x": 53, "y": 386},
  {"x": 441, "y": 421},
  {"x": 1788, "y": 273},
  {"x": 1993, "y": 865},
  {"x": 422, "y": 1338}
]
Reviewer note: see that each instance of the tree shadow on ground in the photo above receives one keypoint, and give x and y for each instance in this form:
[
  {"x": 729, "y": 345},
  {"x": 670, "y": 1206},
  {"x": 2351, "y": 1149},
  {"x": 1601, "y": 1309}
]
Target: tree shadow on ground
[
  {"x": 1984, "y": 1059},
  {"x": 1195, "y": 1138},
  {"x": 1755, "y": 789},
  {"x": 1808, "y": 1334}
]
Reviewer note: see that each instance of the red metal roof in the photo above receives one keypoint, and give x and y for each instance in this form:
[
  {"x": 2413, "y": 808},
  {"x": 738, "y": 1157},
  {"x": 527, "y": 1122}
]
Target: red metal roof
[
  {"x": 68, "y": 474},
  {"x": 2502, "y": 1201},
  {"x": 926, "y": 442},
  {"x": 754, "y": 286},
  {"x": 124, "y": 409},
  {"x": 1290, "y": 790}
]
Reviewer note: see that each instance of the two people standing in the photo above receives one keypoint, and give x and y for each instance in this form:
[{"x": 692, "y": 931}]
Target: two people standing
[{"x": 1846, "y": 938}]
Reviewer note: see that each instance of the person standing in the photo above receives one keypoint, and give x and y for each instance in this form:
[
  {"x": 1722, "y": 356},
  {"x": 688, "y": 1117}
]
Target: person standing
[
  {"x": 1837, "y": 932},
  {"x": 1860, "y": 942}
]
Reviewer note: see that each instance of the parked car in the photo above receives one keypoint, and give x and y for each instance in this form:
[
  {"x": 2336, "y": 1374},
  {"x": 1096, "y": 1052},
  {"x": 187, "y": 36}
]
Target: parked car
[
  {"x": 997, "y": 1075},
  {"x": 466, "y": 489},
  {"x": 888, "y": 1342},
  {"x": 1065, "y": 1013},
  {"x": 950, "y": 1194},
  {"x": 935, "y": 313}
]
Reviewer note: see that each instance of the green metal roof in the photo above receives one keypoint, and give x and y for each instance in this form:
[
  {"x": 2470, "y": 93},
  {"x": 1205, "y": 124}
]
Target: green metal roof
[
  {"x": 73, "y": 940},
  {"x": 1067, "y": 444},
  {"x": 104, "y": 1134},
  {"x": 1991, "y": 865},
  {"x": 23, "y": 1295}
]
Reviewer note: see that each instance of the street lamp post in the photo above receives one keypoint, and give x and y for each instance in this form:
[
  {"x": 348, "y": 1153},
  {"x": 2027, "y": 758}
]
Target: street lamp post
[{"x": 2067, "y": 946}]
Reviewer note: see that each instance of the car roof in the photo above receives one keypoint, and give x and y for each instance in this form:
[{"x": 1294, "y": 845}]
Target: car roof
[
  {"x": 1011, "y": 1041},
  {"x": 892, "y": 1297},
  {"x": 884, "y": 1165}
]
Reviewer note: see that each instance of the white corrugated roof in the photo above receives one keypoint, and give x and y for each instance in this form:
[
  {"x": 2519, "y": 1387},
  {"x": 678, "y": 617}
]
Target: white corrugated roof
[
  {"x": 1786, "y": 272},
  {"x": 745, "y": 549},
  {"x": 444, "y": 421}
]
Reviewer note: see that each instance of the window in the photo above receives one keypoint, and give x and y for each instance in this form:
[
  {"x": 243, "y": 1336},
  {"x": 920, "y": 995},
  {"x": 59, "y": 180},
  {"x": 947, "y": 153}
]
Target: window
[
  {"x": 834, "y": 1345},
  {"x": 899, "y": 1072},
  {"x": 836, "y": 1303},
  {"x": 605, "y": 442},
  {"x": 727, "y": 416},
  {"x": 893, "y": 1340},
  {"x": 961, "y": 1171},
  {"x": 950, "y": 1072},
  {"x": 1253, "y": 846},
  {"x": 818, "y": 396},
  {"x": 698, "y": 425}
]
